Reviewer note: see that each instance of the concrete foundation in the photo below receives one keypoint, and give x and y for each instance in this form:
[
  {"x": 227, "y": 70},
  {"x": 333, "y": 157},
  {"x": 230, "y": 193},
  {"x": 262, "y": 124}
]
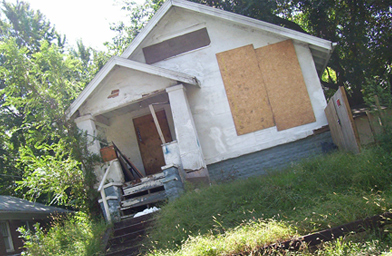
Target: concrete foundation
[{"x": 274, "y": 158}]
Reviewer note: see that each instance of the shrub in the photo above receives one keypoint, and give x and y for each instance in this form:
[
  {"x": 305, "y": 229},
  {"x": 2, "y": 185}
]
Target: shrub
[{"x": 75, "y": 235}]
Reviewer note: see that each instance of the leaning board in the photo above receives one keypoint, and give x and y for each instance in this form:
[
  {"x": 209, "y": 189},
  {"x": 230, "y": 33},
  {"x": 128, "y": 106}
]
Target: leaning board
[
  {"x": 245, "y": 89},
  {"x": 285, "y": 85}
]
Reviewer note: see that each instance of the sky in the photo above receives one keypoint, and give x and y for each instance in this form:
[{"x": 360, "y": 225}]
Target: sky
[{"x": 86, "y": 19}]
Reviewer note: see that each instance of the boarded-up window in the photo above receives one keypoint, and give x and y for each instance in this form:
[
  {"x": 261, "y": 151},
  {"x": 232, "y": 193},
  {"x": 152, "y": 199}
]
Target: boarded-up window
[
  {"x": 176, "y": 45},
  {"x": 245, "y": 89},
  {"x": 265, "y": 87},
  {"x": 285, "y": 85}
]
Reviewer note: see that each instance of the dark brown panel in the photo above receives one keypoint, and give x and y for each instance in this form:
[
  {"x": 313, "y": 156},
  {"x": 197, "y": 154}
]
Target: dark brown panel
[
  {"x": 176, "y": 45},
  {"x": 150, "y": 142}
]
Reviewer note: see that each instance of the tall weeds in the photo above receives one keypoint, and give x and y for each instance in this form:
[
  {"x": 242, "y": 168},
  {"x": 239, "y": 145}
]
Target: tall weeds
[{"x": 316, "y": 194}]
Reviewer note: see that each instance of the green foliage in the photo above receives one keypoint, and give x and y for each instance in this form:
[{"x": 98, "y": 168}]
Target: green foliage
[
  {"x": 320, "y": 193},
  {"x": 76, "y": 235},
  {"x": 362, "y": 30},
  {"x": 138, "y": 15},
  {"x": 42, "y": 154},
  {"x": 268, "y": 11},
  {"x": 27, "y": 26}
]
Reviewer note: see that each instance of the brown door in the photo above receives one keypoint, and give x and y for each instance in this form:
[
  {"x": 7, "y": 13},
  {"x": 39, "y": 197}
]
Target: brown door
[{"x": 150, "y": 142}]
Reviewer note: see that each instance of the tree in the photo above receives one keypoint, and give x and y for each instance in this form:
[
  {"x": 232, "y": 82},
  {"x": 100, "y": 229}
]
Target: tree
[
  {"x": 42, "y": 153},
  {"x": 138, "y": 16},
  {"x": 29, "y": 27},
  {"x": 363, "y": 31}
]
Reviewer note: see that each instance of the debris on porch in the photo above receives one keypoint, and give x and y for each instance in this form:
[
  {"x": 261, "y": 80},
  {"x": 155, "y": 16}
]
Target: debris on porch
[{"x": 123, "y": 200}]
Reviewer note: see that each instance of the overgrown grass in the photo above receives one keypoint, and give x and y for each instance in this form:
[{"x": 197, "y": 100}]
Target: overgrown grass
[
  {"x": 76, "y": 235},
  {"x": 324, "y": 192}
]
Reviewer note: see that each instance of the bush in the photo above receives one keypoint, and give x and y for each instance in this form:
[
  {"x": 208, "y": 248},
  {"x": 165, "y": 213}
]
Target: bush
[{"x": 74, "y": 235}]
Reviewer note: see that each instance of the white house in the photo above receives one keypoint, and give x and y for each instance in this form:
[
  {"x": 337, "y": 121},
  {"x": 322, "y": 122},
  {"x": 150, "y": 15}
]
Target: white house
[{"x": 218, "y": 94}]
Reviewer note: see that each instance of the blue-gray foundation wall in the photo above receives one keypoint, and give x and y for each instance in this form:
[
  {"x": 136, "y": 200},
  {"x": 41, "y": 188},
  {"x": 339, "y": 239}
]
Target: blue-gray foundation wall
[{"x": 273, "y": 158}]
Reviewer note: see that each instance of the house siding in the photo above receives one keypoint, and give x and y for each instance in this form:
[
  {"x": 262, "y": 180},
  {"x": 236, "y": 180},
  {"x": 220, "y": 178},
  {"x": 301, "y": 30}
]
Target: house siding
[
  {"x": 209, "y": 103},
  {"x": 278, "y": 157}
]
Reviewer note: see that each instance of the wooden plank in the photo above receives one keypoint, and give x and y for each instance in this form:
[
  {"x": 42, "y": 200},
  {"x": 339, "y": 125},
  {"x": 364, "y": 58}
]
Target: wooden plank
[
  {"x": 245, "y": 89},
  {"x": 373, "y": 223},
  {"x": 334, "y": 124},
  {"x": 176, "y": 46},
  {"x": 143, "y": 187},
  {"x": 149, "y": 141},
  {"x": 285, "y": 85},
  {"x": 349, "y": 139},
  {"x": 143, "y": 200},
  {"x": 154, "y": 116}
]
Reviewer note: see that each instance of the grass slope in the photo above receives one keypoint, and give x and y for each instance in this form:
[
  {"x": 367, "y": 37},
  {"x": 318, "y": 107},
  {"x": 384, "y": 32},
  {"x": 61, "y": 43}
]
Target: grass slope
[{"x": 324, "y": 192}]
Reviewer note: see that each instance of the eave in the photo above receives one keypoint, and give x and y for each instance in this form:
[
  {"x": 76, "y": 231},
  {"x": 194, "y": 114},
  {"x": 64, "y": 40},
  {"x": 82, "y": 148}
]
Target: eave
[{"x": 142, "y": 67}]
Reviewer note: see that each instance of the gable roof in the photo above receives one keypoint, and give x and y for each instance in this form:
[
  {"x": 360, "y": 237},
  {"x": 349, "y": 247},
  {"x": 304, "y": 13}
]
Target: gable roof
[
  {"x": 321, "y": 48},
  {"x": 138, "y": 66},
  {"x": 14, "y": 208}
]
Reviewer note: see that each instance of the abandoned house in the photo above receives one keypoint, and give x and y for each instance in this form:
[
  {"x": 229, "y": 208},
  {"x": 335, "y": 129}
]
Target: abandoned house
[{"x": 203, "y": 94}]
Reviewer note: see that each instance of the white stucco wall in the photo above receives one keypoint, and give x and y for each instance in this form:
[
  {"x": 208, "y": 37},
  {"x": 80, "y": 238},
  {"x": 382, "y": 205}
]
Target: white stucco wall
[{"x": 209, "y": 104}]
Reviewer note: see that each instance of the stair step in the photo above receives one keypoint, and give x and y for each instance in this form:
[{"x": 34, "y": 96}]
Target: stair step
[
  {"x": 143, "y": 200},
  {"x": 124, "y": 251},
  {"x": 144, "y": 179},
  {"x": 132, "y": 221},
  {"x": 132, "y": 228},
  {"x": 128, "y": 238},
  {"x": 141, "y": 187}
]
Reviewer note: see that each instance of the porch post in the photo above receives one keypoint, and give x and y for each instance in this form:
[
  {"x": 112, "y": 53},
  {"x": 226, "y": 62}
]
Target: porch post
[
  {"x": 188, "y": 142},
  {"x": 86, "y": 123}
]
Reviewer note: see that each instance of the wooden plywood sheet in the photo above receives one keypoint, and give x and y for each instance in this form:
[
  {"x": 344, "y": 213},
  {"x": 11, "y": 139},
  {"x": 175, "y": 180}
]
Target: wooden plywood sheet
[
  {"x": 285, "y": 85},
  {"x": 176, "y": 45},
  {"x": 245, "y": 89},
  {"x": 150, "y": 142}
]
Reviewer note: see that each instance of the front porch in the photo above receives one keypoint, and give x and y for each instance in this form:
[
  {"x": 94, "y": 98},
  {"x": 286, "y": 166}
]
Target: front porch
[{"x": 144, "y": 110}]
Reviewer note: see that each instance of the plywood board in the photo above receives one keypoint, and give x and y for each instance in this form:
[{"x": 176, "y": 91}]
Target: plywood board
[
  {"x": 341, "y": 123},
  {"x": 176, "y": 45},
  {"x": 285, "y": 85},
  {"x": 150, "y": 142},
  {"x": 245, "y": 89}
]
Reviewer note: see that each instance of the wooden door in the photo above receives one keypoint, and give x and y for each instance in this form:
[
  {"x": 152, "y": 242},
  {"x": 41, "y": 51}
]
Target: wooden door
[
  {"x": 340, "y": 119},
  {"x": 150, "y": 142}
]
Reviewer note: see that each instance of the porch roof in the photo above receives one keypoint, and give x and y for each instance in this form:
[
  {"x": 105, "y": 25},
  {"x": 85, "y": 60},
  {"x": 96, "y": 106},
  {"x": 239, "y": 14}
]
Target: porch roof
[{"x": 133, "y": 65}]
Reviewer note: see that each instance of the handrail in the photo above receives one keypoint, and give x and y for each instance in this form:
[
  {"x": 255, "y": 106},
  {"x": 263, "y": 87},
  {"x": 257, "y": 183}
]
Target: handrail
[
  {"x": 104, "y": 177},
  {"x": 103, "y": 195}
]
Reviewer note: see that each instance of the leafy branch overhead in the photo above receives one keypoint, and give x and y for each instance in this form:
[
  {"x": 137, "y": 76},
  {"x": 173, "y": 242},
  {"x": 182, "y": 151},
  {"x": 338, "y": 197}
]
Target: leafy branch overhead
[{"x": 41, "y": 152}]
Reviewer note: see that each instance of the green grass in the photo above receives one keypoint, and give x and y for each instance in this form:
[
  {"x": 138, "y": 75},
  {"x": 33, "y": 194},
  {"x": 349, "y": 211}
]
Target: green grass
[{"x": 313, "y": 195}]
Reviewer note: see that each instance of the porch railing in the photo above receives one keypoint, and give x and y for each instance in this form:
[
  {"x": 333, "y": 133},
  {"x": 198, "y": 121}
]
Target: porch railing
[{"x": 102, "y": 191}]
